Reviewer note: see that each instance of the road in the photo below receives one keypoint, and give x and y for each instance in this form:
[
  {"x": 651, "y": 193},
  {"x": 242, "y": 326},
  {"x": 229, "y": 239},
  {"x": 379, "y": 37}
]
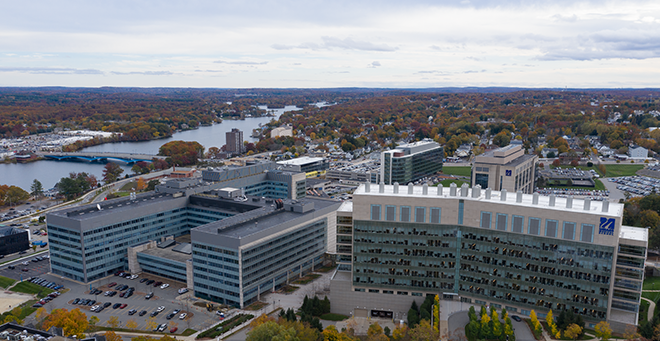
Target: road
[{"x": 457, "y": 322}]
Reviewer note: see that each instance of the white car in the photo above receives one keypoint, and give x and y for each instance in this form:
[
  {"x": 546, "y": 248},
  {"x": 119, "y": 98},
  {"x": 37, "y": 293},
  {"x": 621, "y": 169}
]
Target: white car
[
  {"x": 164, "y": 286},
  {"x": 134, "y": 276},
  {"x": 182, "y": 316},
  {"x": 183, "y": 291},
  {"x": 161, "y": 308}
]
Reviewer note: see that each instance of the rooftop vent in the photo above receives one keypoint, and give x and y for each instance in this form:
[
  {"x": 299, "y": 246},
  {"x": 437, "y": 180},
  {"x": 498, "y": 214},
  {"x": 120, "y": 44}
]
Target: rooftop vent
[
  {"x": 476, "y": 191},
  {"x": 551, "y": 202},
  {"x": 367, "y": 187},
  {"x": 396, "y": 188},
  {"x": 425, "y": 189},
  {"x": 440, "y": 187},
  {"x": 606, "y": 206},
  {"x": 587, "y": 204},
  {"x": 464, "y": 190},
  {"x": 519, "y": 196},
  {"x": 488, "y": 193},
  {"x": 381, "y": 187},
  {"x": 503, "y": 195},
  {"x": 410, "y": 188},
  {"x": 535, "y": 198},
  {"x": 569, "y": 202},
  {"x": 452, "y": 189}
]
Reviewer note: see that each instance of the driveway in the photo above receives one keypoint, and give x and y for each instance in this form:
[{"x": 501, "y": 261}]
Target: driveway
[{"x": 457, "y": 322}]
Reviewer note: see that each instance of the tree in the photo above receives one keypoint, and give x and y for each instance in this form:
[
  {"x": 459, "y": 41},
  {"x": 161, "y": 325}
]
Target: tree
[
  {"x": 496, "y": 325},
  {"x": 261, "y": 319},
  {"x": 93, "y": 320},
  {"x": 423, "y": 332},
  {"x": 484, "y": 329},
  {"x": 72, "y": 322},
  {"x": 631, "y": 332},
  {"x": 413, "y": 318},
  {"x": 573, "y": 331},
  {"x": 37, "y": 189},
  {"x": 549, "y": 319},
  {"x": 271, "y": 331},
  {"x": 113, "y": 322},
  {"x": 603, "y": 330},
  {"x": 140, "y": 184},
  {"x": 556, "y": 163},
  {"x": 112, "y": 336},
  {"x": 400, "y": 332},
  {"x": 111, "y": 172},
  {"x": 14, "y": 195},
  {"x": 41, "y": 314},
  {"x": 151, "y": 324},
  {"x": 131, "y": 324},
  {"x": 436, "y": 313}
]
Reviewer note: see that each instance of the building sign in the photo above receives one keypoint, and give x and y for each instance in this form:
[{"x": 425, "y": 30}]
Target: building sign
[
  {"x": 606, "y": 226},
  {"x": 508, "y": 172}
]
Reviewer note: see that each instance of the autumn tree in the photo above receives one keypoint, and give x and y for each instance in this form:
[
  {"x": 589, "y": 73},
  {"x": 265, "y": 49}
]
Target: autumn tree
[
  {"x": 140, "y": 184},
  {"x": 573, "y": 331},
  {"x": 131, "y": 324},
  {"x": 375, "y": 333},
  {"x": 151, "y": 323},
  {"x": 112, "y": 336},
  {"x": 603, "y": 330},
  {"x": 422, "y": 332},
  {"x": 269, "y": 331},
  {"x": 181, "y": 153},
  {"x": 37, "y": 189},
  {"x": 113, "y": 322},
  {"x": 72, "y": 322},
  {"x": 93, "y": 320},
  {"x": 111, "y": 172}
]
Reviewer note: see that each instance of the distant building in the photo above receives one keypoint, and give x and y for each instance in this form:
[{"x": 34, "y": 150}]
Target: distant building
[
  {"x": 306, "y": 164},
  {"x": 546, "y": 151},
  {"x": 234, "y": 142},
  {"x": 505, "y": 168},
  {"x": 182, "y": 173},
  {"x": 13, "y": 240},
  {"x": 411, "y": 162},
  {"x": 637, "y": 152},
  {"x": 281, "y": 131}
]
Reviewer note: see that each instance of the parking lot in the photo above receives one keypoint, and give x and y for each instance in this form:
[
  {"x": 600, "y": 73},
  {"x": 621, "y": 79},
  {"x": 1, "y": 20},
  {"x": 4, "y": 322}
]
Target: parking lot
[
  {"x": 26, "y": 268},
  {"x": 197, "y": 318},
  {"x": 637, "y": 185}
]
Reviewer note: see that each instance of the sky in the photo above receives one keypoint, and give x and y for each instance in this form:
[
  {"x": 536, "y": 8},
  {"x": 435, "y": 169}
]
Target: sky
[{"x": 327, "y": 44}]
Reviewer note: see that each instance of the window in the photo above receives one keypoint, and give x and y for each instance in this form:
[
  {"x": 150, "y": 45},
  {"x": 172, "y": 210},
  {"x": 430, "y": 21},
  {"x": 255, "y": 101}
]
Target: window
[
  {"x": 551, "y": 228},
  {"x": 587, "y": 233},
  {"x": 569, "y": 230},
  {"x": 390, "y": 212},
  {"x": 501, "y": 221},
  {"x": 517, "y": 224},
  {"x": 435, "y": 215},
  {"x": 461, "y": 204},
  {"x": 420, "y": 214},
  {"x": 405, "y": 213},
  {"x": 485, "y": 220},
  {"x": 481, "y": 180},
  {"x": 534, "y": 226},
  {"x": 375, "y": 212}
]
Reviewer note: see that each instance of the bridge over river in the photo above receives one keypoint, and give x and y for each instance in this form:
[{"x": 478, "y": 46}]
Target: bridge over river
[{"x": 100, "y": 157}]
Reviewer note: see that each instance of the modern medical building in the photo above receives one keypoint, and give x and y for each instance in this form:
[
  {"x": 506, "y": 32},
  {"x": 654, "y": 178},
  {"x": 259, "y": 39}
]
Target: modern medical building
[
  {"x": 411, "y": 162},
  {"x": 510, "y": 250},
  {"x": 238, "y": 246},
  {"x": 505, "y": 168}
]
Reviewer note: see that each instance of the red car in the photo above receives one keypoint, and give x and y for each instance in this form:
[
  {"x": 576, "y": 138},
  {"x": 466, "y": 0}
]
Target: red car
[
  {"x": 123, "y": 306},
  {"x": 173, "y": 330},
  {"x": 112, "y": 284}
]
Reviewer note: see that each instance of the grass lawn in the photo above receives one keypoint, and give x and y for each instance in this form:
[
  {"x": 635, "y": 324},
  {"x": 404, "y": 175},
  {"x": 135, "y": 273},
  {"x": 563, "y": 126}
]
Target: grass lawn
[
  {"x": 188, "y": 332},
  {"x": 326, "y": 269},
  {"x": 333, "y": 317},
  {"x": 459, "y": 183},
  {"x": 256, "y": 306},
  {"x": 622, "y": 169},
  {"x": 460, "y": 170},
  {"x": 643, "y": 311},
  {"x": 31, "y": 288},
  {"x": 651, "y": 283},
  {"x": 289, "y": 289},
  {"x": 5, "y": 282},
  {"x": 653, "y": 296}
]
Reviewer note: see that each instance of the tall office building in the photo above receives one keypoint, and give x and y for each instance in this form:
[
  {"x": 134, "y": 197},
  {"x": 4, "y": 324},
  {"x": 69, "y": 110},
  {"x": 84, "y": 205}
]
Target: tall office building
[
  {"x": 505, "y": 168},
  {"x": 234, "y": 141},
  {"x": 411, "y": 162},
  {"x": 510, "y": 250}
]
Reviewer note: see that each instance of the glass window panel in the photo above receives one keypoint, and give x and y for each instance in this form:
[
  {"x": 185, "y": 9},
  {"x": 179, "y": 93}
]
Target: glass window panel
[
  {"x": 485, "y": 220},
  {"x": 405, "y": 213},
  {"x": 375, "y": 212},
  {"x": 517, "y": 224},
  {"x": 420, "y": 214},
  {"x": 534, "y": 226},
  {"x": 435, "y": 215},
  {"x": 501, "y": 221},
  {"x": 587, "y": 233},
  {"x": 390, "y": 211},
  {"x": 551, "y": 228},
  {"x": 569, "y": 230}
]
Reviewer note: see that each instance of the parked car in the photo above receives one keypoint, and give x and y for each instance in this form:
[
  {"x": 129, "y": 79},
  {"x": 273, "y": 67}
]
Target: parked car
[
  {"x": 132, "y": 312},
  {"x": 142, "y": 313},
  {"x": 164, "y": 286},
  {"x": 173, "y": 330},
  {"x": 149, "y": 295},
  {"x": 183, "y": 316},
  {"x": 112, "y": 284},
  {"x": 116, "y": 305},
  {"x": 161, "y": 308}
]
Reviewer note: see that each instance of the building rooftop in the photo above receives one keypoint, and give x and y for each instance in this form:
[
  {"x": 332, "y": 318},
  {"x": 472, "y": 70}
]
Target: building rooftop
[
  {"x": 113, "y": 207},
  {"x": 346, "y": 206},
  {"x": 301, "y": 161},
  {"x": 468, "y": 194},
  {"x": 634, "y": 233},
  {"x": 266, "y": 217},
  {"x": 9, "y": 230},
  {"x": 512, "y": 163},
  {"x": 168, "y": 253}
]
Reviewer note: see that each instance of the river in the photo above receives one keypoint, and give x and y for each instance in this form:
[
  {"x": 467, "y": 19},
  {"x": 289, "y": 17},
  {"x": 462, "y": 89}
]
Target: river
[{"x": 50, "y": 172}]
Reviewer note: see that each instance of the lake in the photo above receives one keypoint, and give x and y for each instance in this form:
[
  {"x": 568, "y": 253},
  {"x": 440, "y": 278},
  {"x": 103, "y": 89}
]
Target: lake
[{"x": 50, "y": 172}]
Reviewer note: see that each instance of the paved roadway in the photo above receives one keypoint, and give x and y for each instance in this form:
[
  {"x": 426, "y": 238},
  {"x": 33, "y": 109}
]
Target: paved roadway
[{"x": 457, "y": 322}]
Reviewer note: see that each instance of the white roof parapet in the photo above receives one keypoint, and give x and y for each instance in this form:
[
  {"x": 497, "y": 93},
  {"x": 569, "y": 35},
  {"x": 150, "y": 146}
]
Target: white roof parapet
[{"x": 530, "y": 200}]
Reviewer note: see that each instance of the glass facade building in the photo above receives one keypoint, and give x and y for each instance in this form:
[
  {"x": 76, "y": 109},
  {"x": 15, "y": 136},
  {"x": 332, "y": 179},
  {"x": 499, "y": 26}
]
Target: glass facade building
[
  {"x": 522, "y": 252},
  {"x": 411, "y": 162}
]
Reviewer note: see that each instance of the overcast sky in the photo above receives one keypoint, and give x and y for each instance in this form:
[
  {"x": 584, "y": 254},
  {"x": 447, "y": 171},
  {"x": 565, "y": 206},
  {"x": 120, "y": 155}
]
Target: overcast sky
[{"x": 316, "y": 43}]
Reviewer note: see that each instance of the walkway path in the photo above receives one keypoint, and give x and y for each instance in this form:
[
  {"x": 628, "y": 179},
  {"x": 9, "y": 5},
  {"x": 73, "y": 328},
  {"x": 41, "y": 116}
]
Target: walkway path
[{"x": 649, "y": 315}]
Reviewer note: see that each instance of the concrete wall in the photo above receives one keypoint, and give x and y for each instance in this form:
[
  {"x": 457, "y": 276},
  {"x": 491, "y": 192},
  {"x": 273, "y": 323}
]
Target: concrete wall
[{"x": 133, "y": 264}]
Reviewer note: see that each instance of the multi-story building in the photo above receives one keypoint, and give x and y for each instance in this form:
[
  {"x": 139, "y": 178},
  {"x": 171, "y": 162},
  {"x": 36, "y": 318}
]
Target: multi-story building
[
  {"x": 234, "y": 141},
  {"x": 13, "y": 240},
  {"x": 514, "y": 250},
  {"x": 240, "y": 246},
  {"x": 505, "y": 168},
  {"x": 306, "y": 164},
  {"x": 411, "y": 162}
]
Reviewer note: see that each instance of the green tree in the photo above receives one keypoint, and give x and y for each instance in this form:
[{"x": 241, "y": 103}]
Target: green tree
[
  {"x": 37, "y": 189},
  {"x": 573, "y": 331},
  {"x": 413, "y": 318},
  {"x": 496, "y": 325},
  {"x": 15, "y": 195}
]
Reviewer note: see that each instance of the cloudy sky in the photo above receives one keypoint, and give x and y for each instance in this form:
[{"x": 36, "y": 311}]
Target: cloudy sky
[{"x": 338, "y": 43}]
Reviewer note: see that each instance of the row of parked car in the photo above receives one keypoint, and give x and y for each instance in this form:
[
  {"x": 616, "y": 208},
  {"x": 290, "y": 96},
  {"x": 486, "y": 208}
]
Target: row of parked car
[
  {"x": 46, "y": 299},
  {"x": 46, "y": 283}
]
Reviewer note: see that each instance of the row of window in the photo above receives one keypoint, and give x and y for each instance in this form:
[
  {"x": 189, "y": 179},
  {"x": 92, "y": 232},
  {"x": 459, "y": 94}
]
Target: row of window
[
  {"x": 406, "y": 214},
  {"x": 568, "y": 231}
]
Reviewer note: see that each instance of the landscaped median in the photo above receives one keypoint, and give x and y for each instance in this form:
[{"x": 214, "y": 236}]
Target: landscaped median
[{"x": 225, "y": 326}]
